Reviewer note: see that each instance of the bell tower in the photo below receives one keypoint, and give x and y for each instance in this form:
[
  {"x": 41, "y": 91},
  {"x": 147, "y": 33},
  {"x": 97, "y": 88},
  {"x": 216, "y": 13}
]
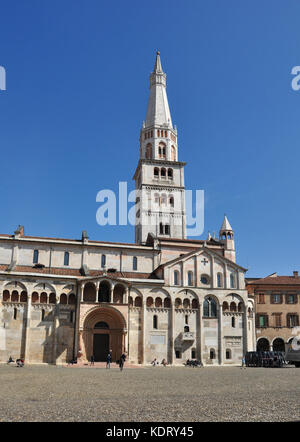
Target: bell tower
[
  {"x": 226, "y": 236},
  {"x": 159, "y": 177}
]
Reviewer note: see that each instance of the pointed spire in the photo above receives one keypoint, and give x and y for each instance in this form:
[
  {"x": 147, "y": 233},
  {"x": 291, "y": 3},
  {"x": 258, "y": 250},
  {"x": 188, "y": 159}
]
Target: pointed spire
[
  {"x": 157, "y": 65},
  {"x": 226, "y": 225},
  {"x": 158, "y": 112}
]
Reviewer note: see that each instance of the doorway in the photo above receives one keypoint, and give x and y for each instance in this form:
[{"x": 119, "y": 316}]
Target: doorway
[{"x": 101, "y": 347}]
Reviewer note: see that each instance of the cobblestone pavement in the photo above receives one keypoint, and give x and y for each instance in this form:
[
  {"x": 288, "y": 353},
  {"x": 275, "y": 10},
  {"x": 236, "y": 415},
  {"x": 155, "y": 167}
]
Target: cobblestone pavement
[{"x": 156, "y": 394}]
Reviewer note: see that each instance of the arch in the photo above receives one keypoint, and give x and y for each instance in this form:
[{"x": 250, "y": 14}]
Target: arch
[
  {"x": 89, "y": 292},
  {"x": 63, "y": 299},
  {"x": 262, "y": 344},
  {"x": 225, "y": 306},
  {"x": 212, "y": 353},
  {"x": 233, "y": 322},
  {"x": 23, "y": 296},
  {"x": 158, "y": 302},
  {"x": 171, "y": 201},
  {"x": 15, "y": 285},
  {"x": 233, "y": 306},
  {"x": 186, "y": 303},
  {"x": 190, "y": 278},
  {"x": 149, "y": 301},
  {"x": 228, "y": 353},
  {"x": 210, "y": 307},
  {"x": 72, "y": 299},
  {"x": 45, "y": 286},
  {"x": 219, "y": 279},
  {"x": 178, "y": 303},
  {"x": 167, "y": 303},
  {"x": 130, "y": 301},
  {"x": 101, "y": 325},
  {"x": 278, "y": 344},
  {"x": 118, "y": 294},
  {"x": 115, "y": 332},
  {"x": 149, "y": 151},
  {"x": 138, "y": 302},
  {"x": 240, "y": 306},
  {"x": 52, "y": 298},
  {"x": 173, "y": 153},
  {"x": 104, "y": 291},
  {"x": 6, "y": 295},
  {"x": 176, "y": 277},
  {"x": 170, "y": 173},
  {"x": 43, "y": 298},
  {"x": 195, "y": 303},
  {"x": 162, "y": 150},
  {"x": 34, "y": 297},
  {"x": 15, "y": 296},
  {"x": 156, "y": 172},
  {"x": 163, "y": 172}
]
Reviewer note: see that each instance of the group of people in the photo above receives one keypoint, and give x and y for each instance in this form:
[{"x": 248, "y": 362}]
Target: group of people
[
  {"x": 156, "y": 362},
  {"x": 19, "y": 362},
  {"x": 120, "y": 362}
]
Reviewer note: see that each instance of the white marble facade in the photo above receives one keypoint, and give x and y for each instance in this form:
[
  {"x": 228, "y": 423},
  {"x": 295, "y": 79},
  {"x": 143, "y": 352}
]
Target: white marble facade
[{"x": 164, "y": 296}]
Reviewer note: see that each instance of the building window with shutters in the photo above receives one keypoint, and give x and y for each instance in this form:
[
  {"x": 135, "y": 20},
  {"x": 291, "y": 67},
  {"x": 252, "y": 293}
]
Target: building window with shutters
[
  {"x": 261, "y": 298},
  {"x": 292, "y": 320},
  {"x": 276, "y": 299},
  {"x": 262, "y": 320},
  {"x": 277, "y": 319}
]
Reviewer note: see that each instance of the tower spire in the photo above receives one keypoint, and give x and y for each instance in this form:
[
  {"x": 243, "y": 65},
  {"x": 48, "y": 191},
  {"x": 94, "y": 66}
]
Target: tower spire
[
  {"x": 158, "y": 112},
  {"x": 157, "y": 65}
]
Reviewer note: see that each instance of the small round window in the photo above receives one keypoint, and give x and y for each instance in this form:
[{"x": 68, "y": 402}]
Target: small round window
[{"x": 204, "y": 279}]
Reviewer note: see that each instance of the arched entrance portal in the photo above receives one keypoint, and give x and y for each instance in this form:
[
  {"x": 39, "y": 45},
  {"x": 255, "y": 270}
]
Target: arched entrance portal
[
  {"x": 263, "y": 345},
  {"x": 103, "y": 330}
]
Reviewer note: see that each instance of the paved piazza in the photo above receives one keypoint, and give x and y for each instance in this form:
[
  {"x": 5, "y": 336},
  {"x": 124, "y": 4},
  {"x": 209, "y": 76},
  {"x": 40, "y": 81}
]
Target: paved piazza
[{"x": 48, "y": 393}]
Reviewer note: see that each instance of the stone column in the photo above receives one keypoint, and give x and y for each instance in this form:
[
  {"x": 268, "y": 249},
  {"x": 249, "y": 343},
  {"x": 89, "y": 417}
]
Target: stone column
[
  {"x": 125, "y": 296},
  {"x": 221, "y": 336},
  {"x": 55, "y": 323},
  {"x": 111, "y": 293},
  {"x": 172, "y": 332},
  {"x": 245, "y": 330},
  {"x": 144, "y": 330},
  {"x": 198, "y": 333},
  {"x": 79, "y": 299},
  {"x": 97, "y": 290},
  {"x": 27, "y": 334},
  {"x": 81, "y": 290},
  {"x": 201, "y": 331}
]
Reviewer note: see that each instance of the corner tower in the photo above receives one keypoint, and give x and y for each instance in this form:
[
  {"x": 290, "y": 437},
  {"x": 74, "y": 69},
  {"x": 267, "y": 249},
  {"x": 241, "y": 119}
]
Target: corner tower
[
  {"x": 226, "y": 236},
  {"x": 159, "y": 177}
]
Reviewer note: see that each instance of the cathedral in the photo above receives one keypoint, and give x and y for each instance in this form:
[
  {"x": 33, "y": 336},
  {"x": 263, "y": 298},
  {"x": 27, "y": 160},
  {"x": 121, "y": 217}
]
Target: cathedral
[{"x": 164, "y": 296}]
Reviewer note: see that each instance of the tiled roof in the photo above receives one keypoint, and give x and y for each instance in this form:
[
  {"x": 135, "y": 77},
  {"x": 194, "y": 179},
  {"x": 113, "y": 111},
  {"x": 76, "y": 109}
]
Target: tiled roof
[
  {"x": 274, "y": 280},
  {"x": 77, "y": 273}
]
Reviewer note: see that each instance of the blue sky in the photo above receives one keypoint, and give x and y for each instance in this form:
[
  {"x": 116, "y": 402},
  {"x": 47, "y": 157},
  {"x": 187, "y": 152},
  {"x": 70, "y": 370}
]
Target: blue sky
[{"x": 77, "y": 90}]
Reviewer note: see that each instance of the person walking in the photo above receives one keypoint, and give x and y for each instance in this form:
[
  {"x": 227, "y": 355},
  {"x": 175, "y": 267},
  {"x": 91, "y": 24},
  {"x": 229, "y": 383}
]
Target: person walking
[
  {"x": 122, "y": 361},
  {"x": 108, "y": 360},
  {"x": 243, "y": 362},
  {"x": 92, "y": 360}
]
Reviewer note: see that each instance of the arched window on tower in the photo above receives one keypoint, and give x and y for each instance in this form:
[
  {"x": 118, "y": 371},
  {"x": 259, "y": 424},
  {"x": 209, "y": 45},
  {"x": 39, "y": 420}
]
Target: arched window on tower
[
  {"x": 156, "y": 172},
  {"x": 149, "y": 151},
  {"x": 173, "y": 153},
  {"x": 170, "y": 174},
  {"x": 163, "y": 173}
]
